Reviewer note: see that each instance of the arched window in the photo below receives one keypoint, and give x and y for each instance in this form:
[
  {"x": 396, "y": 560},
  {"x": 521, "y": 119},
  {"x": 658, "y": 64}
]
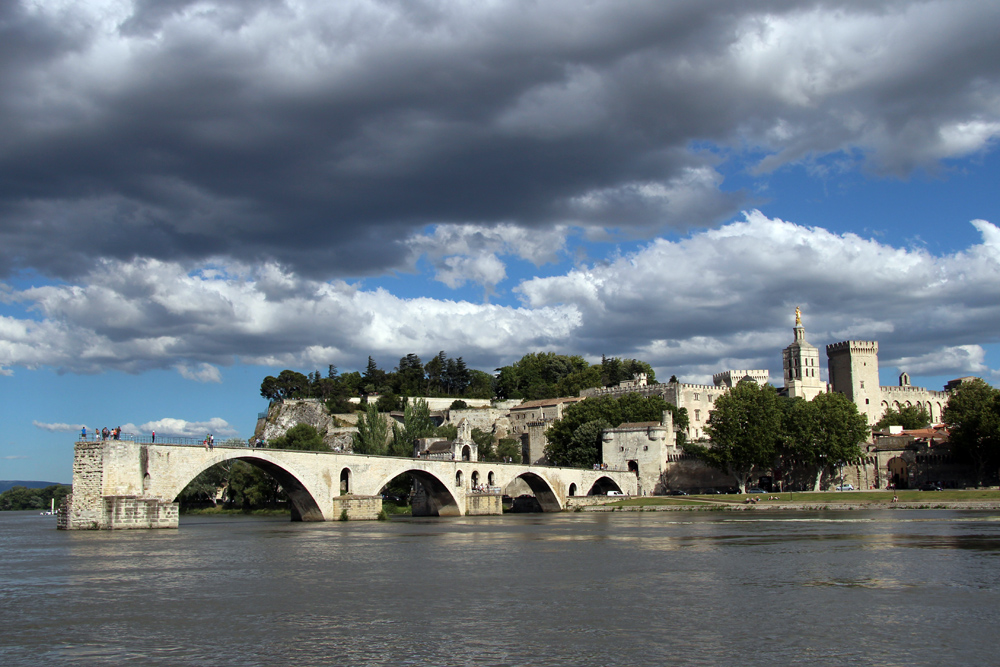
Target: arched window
[
  {"x": 572, "y": 489},
  {"x": 458, "y": 478},
  {"x": 475, "y": 478},
  {"x": 345, "y": 481},
  {"x": 466, "y": 453},
  {"x": 490, "y": 479}
]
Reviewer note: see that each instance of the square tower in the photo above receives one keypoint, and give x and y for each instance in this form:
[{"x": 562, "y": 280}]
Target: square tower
[{"x": 853, "y": 367}]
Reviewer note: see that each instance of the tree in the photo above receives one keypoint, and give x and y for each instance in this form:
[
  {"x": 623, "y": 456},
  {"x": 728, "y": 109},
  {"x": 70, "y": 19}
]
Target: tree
[
  {"x": 566, "y": 447},
  {"x": 389, "y": 403},
  {"x": 417, "y": 423},
  {"x": 822, "y": 433},
  {"x": 302, "y": 437},
  {"x": 480, "y": 384},
  {"x": 484, "y": 441},
  {"x": 291, "y": 384},
  {"x": 973, "y": 418},
  {"x": 409, "y": 377},
  {"x": 373, "y": 432},
  {"x": 23, "y": 498},
  {"x": 745, "y": 429},
  {"x": 509, "y": 449},
  {"x": 536, "y": 375},
  {"x": 458, "y": 404},
  {"x": 374, "y": 378},
  {"x": 910, "y": 417}
]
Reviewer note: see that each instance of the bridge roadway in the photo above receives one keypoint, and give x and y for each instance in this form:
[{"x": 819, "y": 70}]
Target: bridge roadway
[{"x": 123, "y": 484}]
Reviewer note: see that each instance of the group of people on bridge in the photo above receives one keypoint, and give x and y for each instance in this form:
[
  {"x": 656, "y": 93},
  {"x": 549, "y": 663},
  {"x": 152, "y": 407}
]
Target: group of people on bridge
[{"x": 104, "y": 434}]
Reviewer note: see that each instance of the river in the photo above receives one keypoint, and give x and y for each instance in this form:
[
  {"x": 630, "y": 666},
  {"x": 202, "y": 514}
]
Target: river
[{"x": 885, "y": 588}]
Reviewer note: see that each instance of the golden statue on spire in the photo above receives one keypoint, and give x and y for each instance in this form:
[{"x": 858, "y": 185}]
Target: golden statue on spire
[{"x": 798, "y": 316}]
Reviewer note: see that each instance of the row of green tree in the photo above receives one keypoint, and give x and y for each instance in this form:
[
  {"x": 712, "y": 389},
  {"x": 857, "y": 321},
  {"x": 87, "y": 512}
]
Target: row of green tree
[
  {"x": 442, "y": 376},
  {"x": 536, "y": 375},
  {"x": 754, "y": 431},
  {"x": 23, "y": 498}
]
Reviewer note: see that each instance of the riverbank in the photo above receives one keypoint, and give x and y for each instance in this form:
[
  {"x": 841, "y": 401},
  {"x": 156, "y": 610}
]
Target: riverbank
[{"x": 973, "y": 499}]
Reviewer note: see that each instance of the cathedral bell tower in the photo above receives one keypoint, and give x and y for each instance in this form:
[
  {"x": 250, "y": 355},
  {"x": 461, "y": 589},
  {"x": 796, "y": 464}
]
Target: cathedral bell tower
[{"x": 800, "y": 362}]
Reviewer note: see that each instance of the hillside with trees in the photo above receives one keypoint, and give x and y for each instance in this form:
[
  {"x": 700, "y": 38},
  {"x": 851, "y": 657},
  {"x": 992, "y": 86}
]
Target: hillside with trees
[{"x": 536, "y": 375}]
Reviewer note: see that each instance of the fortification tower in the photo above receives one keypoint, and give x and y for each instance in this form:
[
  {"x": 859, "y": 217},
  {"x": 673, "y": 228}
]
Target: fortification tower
[
  {"x": 800, "y": 361},
  {"x": 853, "y": 366}
]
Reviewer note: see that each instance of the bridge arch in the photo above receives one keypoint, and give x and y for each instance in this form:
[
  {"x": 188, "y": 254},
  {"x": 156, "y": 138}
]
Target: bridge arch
[
  {"x": 303, "y": 505},
  {"x": 544, "y": 494},
  {"x": 440, "y": 500},
  {"x": 603, "y": 485}
]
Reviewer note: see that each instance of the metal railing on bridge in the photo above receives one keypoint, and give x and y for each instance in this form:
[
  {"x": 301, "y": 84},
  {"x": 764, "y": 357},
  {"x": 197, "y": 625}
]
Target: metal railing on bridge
[{"x": 142, "y": 438}]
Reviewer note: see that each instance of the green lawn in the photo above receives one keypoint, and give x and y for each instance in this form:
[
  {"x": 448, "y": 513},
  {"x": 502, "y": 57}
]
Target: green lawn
[
  {"x": 830, "y": 497},
  {"x": 646, "y": 501}
]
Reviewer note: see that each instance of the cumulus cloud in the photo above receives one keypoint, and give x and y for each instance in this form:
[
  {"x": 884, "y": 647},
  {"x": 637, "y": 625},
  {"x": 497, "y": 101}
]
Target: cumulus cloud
[
  {"x": 957, "y": 359},
  {"x": 715, "y": 299},
  {"x": 729, "y": 294},
  {"x": 200, "y": 373},
  {"x": 326, "y": 137},
  {"x": 57, "y": 427},
  {"x": 149, "y": 314},
  {"x": 185, "y": 429}
]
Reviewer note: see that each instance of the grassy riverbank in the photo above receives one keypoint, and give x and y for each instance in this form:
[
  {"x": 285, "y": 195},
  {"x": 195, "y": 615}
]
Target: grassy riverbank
[
  {"x": 222, "y": 511},
  {"x": 811, "y": 500}
]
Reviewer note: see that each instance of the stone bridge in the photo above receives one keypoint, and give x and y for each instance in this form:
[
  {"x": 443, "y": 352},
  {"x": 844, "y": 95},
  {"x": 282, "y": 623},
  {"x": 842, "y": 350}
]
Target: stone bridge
[{"x": 123, "y": 484}]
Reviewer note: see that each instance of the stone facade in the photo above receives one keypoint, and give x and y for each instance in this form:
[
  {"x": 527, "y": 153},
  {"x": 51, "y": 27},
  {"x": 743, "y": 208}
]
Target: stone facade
[
  {"x": 731, "y": 378},
  {"x": 641, "y": 448},
  {"x": 853, "y": 371},
  {"x": 530, "y": 419}
]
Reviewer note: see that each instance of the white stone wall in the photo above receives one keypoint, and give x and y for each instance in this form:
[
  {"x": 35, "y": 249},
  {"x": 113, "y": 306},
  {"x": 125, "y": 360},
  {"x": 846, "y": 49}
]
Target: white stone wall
[{"x": 646, "y": 446}]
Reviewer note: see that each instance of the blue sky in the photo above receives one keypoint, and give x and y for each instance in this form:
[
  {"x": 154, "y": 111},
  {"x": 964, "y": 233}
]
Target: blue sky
[{"x": 194, "y": 195}]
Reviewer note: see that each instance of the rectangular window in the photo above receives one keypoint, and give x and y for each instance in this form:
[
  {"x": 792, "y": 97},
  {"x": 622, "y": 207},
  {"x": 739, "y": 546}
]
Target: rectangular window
[
  {"x": 697, "y": 396},
  {"x": 697, "y": 415}
]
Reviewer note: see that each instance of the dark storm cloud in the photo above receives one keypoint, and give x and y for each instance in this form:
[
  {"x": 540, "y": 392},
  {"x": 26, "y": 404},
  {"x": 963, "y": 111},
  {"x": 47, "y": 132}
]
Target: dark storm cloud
[{"x": 323, "y": 135}]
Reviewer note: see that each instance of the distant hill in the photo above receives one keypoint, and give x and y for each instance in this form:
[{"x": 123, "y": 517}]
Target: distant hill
[{"x": 6, "y": 484}]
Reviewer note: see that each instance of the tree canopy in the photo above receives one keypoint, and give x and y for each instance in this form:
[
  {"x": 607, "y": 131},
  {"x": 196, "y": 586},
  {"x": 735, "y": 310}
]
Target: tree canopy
[
  {"x": 745, "y": 429},
  {"x": 818, "y": 434},
  {"x": 973, "y": 418},
  {"x": 23, "y": 498},
  {"x": 301, "y": 436},
  {"x": 373, "y": 432},
  {"x": 910, "y": 417},
  {"x": 549, "y": 375}
]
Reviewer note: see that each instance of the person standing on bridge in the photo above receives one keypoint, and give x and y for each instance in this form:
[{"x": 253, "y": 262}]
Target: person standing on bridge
[{"x": 154, "y": 437}]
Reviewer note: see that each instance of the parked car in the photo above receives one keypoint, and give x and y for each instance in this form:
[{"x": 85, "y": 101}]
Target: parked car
[
  {"x": 711, "y": 492},
  {"x": 845, "y": 487},
  {"x": 678, "y": 492},
  {"x": 756, "y": 490},
  {"x": 930, "y": 486},
  {"x": 615, "y": 493}
]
